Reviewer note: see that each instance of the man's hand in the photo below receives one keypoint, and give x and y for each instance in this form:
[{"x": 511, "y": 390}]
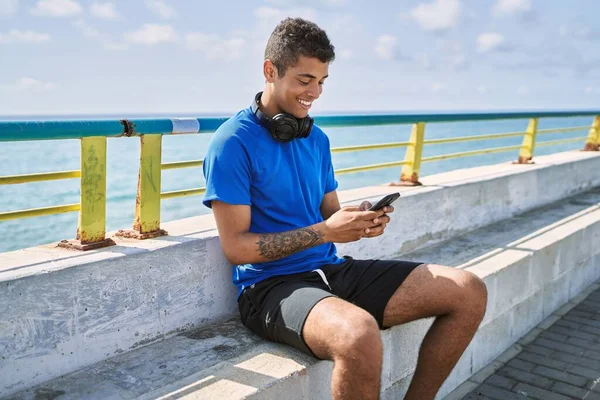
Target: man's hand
[
  {"x": 383, "y": 221},
  {"x": 352, "y": 223}
]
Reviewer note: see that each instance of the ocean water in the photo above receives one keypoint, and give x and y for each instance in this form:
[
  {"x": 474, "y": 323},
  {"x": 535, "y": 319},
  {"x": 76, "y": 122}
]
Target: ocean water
[{"x": 123, "y": 163}]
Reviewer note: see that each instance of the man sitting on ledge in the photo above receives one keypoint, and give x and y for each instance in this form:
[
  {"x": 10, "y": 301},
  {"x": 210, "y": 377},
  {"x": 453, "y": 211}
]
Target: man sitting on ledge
[{"x": 271, "y": 186}]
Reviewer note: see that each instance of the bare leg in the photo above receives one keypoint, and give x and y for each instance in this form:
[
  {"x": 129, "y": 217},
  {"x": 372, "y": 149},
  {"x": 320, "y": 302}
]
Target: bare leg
[
  {"x": 458, "y": 299},
  {"x": 340, "y": 331}
]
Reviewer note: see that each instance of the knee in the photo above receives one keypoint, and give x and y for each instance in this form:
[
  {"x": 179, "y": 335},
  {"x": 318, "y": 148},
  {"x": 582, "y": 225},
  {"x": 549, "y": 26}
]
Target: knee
[
  {"x": 359, "y": 339},
  {"x": 474, "y": 293}
]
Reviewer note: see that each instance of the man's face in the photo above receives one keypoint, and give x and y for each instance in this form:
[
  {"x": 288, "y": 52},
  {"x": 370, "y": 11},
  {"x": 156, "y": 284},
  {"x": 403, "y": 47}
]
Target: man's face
[{"x": 300, "y": 86}]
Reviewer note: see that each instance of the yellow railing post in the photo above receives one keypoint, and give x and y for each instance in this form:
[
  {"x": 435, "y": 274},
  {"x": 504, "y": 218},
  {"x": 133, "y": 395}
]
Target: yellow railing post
[
  {"x": 526, "y": 153},
  {"x": 92, "y": 213},
  {"x": 147, "y": 203},
  {"x": 593, "y": 141},
  {"x": 410, "y": 171}
]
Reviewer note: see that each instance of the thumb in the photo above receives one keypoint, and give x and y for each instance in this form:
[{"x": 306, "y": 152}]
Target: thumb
[{"x": 365, "y": 205}]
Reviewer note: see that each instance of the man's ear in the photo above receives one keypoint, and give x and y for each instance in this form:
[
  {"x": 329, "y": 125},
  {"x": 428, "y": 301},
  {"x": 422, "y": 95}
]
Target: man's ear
[{"x": 270, "y": 71}]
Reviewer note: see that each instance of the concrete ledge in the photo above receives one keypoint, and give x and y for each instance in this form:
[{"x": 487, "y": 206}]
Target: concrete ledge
[
  {"x": 532, "y": 264},
  {"x": 63, "y": 310}
]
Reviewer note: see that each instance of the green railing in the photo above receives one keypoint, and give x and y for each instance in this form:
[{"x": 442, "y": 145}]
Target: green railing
[{"x": 91, "y": 228}]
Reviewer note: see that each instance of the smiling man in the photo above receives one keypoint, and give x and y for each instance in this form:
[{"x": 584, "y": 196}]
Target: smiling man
[{"x": 271, "y": 186}]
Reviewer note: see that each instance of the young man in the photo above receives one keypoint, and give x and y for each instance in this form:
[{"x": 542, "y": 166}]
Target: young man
[{"x": 271, "y": 186}]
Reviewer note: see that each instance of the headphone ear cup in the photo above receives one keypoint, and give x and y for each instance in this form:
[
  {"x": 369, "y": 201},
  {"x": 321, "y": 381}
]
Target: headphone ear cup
[
  {"x": 305, "y": 127},
  {"x": 284, "y": 127}
]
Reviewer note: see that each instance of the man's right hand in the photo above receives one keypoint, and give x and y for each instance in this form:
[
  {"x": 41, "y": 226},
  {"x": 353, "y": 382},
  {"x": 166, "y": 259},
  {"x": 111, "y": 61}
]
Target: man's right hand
[{"x": 350, "y": 224}]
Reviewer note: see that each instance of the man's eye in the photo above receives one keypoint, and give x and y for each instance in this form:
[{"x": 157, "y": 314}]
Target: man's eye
[{"x": 303, "y": 83}]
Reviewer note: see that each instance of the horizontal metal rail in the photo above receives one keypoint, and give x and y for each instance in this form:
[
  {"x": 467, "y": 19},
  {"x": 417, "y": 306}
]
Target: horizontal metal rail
[
  {"x": 557, "y": 130},
  {"x": 70, "y": 129},
  {"x": 36, "y": 212},
  {"x": 560, "y": 141},
  {"x": 46, "y": 176},
  {"x": 369, "y": 147},
  {"x": 181, "y": 164},
  {"x": 470, "y": 153},
  {"x": 369, "y": 167},
  {"x": 182, "y": 193},
  {"x": 471, "y": 138}
]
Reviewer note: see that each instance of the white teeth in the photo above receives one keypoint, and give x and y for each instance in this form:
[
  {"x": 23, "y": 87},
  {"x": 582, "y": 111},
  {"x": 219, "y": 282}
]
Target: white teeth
[{"x": 305, "y": 103}]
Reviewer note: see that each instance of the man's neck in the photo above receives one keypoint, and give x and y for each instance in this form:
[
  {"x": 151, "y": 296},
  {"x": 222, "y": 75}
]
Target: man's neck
[{"x": 267, "y": 104}]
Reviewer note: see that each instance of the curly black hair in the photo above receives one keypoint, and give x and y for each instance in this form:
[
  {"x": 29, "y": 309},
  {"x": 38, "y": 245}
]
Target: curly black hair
[{"x": 295, "y": 37}]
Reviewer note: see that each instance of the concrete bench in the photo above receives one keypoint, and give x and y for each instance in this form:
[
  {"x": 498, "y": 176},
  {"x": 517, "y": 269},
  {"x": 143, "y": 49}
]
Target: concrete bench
[
  {"x": 532, "y": 264},
  {"x": 145, "y": 319}
]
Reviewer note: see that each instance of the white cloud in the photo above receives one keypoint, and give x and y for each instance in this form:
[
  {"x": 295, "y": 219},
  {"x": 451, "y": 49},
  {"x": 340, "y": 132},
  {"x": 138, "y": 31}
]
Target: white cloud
[
  {"x": 8, "y": 7},
  {"x": 510, "y": 7},
  {"x": 214, "y": 46},
  {"x": 92, "y": 33},
  {"x": 490, "y": 41},
  {"x": 387, "y": 47},
  {"x": 161, "y": 8},
  {"x": 439, "y": 15},
  {"x": 17, "y": 36},
  {"x": 151, "y": 34},
  {"x": 28, "y": 84},
  {"x": 104, "y": 10},
  {"x": 57, "y": 8}
]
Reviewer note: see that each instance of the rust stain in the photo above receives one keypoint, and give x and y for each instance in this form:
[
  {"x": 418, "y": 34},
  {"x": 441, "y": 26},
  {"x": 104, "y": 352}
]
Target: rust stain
[
  {"x": 525, "y": 160},
  {"x": 591, "y": 147},
  {"x": 129, "y": 128}
]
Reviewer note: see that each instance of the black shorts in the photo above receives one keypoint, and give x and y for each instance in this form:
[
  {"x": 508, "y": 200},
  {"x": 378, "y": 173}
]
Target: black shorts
[{"x": 277, "y": 307}]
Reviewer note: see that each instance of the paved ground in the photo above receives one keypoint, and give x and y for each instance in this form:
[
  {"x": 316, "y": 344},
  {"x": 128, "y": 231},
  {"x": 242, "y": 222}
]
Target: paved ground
[{"x": 558, "y": 360}]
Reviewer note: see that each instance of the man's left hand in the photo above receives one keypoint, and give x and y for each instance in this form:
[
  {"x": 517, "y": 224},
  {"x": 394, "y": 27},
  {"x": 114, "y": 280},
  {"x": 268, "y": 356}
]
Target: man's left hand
[{"x": 379, "y": 223}]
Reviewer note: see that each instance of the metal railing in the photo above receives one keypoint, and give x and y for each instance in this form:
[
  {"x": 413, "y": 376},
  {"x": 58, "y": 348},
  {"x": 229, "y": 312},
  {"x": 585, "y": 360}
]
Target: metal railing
[{"x": 91, "y": 230}]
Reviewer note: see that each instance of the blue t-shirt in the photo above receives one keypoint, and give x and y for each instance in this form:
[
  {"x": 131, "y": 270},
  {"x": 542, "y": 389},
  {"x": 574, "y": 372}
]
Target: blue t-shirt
[{"x": 283, "y": 183}]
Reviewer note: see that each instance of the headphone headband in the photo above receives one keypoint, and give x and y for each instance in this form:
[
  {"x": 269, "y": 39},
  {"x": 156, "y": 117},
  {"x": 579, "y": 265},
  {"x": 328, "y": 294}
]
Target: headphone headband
[{"x": 283, "y": 127}]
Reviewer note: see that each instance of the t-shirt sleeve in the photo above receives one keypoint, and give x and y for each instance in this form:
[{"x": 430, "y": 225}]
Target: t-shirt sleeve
[
  {"x": 227, "y": 171},
  {"x": 330, "y": 183}
]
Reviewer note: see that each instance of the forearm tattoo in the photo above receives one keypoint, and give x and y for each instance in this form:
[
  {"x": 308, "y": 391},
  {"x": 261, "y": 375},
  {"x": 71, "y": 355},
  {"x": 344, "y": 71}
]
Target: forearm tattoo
[{"x": 274, "y": 246}]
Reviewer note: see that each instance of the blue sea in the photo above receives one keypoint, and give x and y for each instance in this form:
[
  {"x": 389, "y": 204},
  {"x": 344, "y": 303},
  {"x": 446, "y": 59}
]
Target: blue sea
[{"x": 123, "y": 161}]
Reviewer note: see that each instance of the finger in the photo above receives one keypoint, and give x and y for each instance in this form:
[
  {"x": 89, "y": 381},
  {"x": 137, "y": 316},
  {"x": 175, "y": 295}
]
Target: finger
[
  {"x": 378, "y": 230},
  {"x": 365, "y": 205},
  {"x": 384, "y": 219},
  {"x": 370, "y": 215},
  {"x": 352, "y": 208},
  {"x": 388, "y": 209}
]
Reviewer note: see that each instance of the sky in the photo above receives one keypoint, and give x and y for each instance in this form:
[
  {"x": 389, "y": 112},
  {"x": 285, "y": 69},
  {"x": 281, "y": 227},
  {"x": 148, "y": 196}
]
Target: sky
[{"x": 205, "y": 57}]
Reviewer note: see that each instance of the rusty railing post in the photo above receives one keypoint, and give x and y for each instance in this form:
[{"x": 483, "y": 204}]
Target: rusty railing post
[
  {"x": 528, "y": 146},
  {"x": 91, "y": 228},
  {"x": 593, "y": 141},
  {"x": 414, "y": 152},
  {"x": 147, "y": 202}
]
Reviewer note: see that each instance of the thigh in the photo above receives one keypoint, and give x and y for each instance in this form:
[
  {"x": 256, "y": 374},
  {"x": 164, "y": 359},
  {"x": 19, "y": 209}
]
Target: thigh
[
  {"x": 276, "y": 309},
  {"x": 335, "y": 326},
  {"x": 432, "y": 290}
]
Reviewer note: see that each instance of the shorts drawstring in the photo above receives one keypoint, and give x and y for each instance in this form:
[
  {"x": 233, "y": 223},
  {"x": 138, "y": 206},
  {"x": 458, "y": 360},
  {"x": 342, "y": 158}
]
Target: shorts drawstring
[{"x": 322, "y": 274}]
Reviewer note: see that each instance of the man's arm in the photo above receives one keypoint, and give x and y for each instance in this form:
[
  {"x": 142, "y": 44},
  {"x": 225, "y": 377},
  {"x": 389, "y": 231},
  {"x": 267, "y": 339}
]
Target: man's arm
[
  {"x": 243, "y": 247},
  {"x": 330, "y": 205}
]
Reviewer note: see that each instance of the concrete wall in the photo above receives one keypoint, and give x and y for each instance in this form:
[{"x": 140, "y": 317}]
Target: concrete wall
[{"x": 61, "y": 310}]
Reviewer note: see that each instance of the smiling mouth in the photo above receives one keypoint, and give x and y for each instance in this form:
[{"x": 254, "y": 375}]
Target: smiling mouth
[{"x": 304, "y": 103}]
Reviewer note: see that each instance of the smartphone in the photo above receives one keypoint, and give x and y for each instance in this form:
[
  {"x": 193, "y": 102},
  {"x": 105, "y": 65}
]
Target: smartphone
[{"x": 386, "y": 201}]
